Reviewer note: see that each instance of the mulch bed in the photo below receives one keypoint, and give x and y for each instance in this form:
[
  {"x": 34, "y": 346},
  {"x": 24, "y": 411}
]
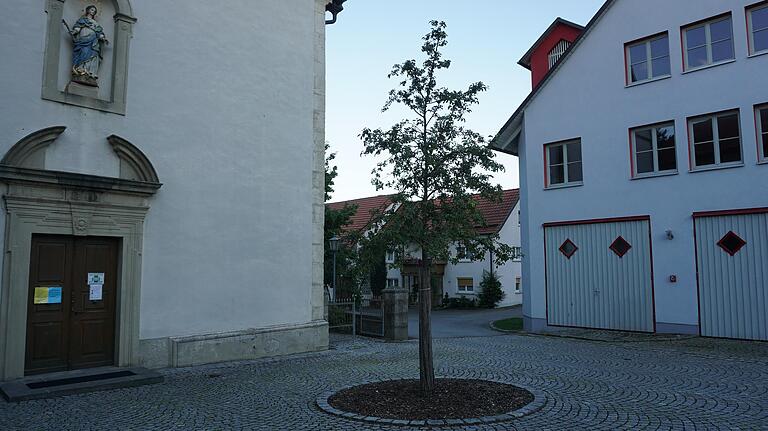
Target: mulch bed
[{"x": 452, "y": 399}]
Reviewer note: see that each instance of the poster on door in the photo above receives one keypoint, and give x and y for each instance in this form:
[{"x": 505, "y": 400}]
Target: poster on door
[
  {"x": 95, "y": 278},
  {"x": 95, "y": 292},
  {"x": 47, "y": 295}
]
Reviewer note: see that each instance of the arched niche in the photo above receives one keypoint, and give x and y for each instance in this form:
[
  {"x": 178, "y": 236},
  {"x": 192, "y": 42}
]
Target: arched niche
[
  {"x": 38, "y": 200},
  {"x": 117, "y": 80}
]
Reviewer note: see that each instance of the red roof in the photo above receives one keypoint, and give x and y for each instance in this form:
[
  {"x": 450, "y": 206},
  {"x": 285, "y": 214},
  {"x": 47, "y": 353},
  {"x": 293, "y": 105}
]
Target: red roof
[
  {"x": 494, "y": 213},
  {"x": 366, "y": 207}
]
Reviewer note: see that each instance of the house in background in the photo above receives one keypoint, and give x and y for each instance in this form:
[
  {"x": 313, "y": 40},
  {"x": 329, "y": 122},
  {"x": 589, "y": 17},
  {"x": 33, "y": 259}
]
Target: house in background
[
  {"x": 643, "y": 161},
  {"x": 462, "y": 279},
  {"x": 360, "y": 222}
]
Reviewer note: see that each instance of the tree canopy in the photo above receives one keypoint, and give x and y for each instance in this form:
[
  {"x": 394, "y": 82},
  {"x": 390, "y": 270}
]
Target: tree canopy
[{"x": 435, "y": 163}]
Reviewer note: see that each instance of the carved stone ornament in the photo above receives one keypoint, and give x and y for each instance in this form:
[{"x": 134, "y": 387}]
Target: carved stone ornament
[
  {"x": 90, "y": 49},
  {"x": 88, "y": 43},
  {"x": 38, "y": 200}
]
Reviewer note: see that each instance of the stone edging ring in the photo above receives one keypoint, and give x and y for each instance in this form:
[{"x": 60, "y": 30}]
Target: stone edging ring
[{"x": 539, "y": 398}]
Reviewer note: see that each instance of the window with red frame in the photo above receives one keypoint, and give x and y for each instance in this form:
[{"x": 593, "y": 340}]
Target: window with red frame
[
  {"x": 757, "y": 23},
  {"x": 563, "y": 162},
  {"x": 715, "y": 140},
  {"x": 762, "y": 131},
  {"x": 708, "y": 43},
  {"x": 648, "y": 59},
  {"x": 653, "y": 150}
]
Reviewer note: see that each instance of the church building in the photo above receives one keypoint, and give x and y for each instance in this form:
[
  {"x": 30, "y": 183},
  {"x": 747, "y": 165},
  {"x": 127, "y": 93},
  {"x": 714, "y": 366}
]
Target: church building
[{"x": 162, "y": 182}]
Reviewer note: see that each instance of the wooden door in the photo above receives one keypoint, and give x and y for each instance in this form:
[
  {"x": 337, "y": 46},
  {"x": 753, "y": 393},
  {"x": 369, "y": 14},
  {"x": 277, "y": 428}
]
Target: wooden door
[
  {"x": 73, "y": 327},
  {"x": 48, "y": 323}
]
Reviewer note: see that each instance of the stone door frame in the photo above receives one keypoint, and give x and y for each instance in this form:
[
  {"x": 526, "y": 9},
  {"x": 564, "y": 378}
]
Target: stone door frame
[
  {"x": 69, "y": 204},
  {"x": 42, "y": 201}
]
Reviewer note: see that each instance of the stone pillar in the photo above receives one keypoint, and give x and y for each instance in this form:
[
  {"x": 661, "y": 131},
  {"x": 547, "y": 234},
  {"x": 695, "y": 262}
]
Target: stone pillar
[{"x": 395, "y": 314}]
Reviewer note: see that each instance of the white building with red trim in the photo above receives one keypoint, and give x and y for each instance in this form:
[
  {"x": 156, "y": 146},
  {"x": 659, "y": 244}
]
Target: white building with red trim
[
  {"x": 461, "y": 279},
  {"x": 644, "y": 171}
]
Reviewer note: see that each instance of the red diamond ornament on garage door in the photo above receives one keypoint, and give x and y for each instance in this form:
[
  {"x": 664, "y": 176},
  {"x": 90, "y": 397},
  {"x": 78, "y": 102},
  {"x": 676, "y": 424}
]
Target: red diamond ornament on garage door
[
  {"x": 568, "y": 248},
  {"x": 620, "y": 246},
  {"x": 731, "y": 243}
]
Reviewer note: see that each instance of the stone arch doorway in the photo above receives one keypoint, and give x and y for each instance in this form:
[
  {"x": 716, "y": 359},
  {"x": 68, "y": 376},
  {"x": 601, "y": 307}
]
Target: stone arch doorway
[{"x": 39, "y": 201}]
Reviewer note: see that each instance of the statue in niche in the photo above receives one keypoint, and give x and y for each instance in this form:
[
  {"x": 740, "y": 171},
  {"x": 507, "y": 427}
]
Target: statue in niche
[{"x": 88, "y": 40}]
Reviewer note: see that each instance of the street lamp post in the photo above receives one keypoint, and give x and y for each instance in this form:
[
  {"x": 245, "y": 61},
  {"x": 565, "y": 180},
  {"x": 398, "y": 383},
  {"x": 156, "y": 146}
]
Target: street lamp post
[{"x": 333, "y": 244}]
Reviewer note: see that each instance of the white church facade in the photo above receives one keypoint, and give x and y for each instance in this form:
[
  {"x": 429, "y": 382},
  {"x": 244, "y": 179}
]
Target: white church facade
[{"x": 153, "y": 155}]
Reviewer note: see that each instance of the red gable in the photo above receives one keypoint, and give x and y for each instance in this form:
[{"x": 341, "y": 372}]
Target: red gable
[{"x": 537, "y": 58}]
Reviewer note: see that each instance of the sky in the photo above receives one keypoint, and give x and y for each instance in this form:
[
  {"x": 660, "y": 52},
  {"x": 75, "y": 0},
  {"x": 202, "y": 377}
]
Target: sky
[{"x": 486, "y": 38}]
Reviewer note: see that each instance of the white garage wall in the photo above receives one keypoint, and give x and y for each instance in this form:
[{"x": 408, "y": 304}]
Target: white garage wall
[{"x": 587, "y": 98}]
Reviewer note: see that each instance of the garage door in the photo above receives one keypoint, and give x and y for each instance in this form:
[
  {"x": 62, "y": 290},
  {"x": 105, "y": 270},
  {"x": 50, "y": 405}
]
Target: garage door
[
  {"x": 599, "y": 275},
  {"x": 732, "y": 265}
]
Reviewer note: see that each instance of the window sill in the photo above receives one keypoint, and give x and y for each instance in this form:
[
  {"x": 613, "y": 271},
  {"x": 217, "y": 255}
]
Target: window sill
[
  {"x": 709, "y": 66},
  {"x": 563, "y": 186},
  {"x": 654, "y": 175},
  {"x": 466, "y": 293},
  {"x": 763, "y": 162},
  {"x": 648, "y": 81},
  {"x": 758, "y": 54},
  {"x": 716, "y": 168}
]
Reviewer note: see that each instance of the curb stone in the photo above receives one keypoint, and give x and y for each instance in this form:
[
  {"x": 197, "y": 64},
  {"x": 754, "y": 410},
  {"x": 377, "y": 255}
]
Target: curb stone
[{"x": 539, "y": 399}]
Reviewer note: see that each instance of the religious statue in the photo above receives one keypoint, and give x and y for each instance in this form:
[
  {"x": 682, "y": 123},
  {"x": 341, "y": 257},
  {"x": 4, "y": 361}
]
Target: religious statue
[{"x": 88, "y": 39}]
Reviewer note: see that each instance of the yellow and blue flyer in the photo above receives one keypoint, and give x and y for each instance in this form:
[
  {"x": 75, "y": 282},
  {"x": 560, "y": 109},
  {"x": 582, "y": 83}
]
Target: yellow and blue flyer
[{"x": 47, "y": 295}]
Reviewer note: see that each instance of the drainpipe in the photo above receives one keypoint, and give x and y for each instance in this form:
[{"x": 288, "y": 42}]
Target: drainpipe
[
  {"x": 334, "y": 7},
  {"x": 491, "y": 263}
]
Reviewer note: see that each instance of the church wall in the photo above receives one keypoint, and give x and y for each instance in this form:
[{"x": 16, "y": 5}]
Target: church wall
[{"x": 221, "y": 99}]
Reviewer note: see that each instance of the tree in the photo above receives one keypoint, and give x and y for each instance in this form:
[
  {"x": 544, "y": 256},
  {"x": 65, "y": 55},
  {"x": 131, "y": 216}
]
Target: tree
[
  {"x": 435, "y": 164},
  {"x": 335, "y": 222},
  {"x": 491, "y": 292}
]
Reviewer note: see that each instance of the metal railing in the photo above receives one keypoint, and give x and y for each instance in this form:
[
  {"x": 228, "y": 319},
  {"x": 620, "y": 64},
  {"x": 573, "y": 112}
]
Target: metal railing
[{"x": 359, "y": 317}]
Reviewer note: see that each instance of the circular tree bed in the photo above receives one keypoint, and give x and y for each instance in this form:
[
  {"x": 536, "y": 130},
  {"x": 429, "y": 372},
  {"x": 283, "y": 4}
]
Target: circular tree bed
[{"x": 452, "y": 399}]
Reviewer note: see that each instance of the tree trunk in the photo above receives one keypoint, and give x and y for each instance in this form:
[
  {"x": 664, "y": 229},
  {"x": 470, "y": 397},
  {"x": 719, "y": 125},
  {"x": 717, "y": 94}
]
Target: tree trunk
[{"x": 426, "y": 366}]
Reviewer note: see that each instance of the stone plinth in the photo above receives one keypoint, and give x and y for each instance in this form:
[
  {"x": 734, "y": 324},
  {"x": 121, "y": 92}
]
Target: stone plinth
[{"x": 395, "y": 314}]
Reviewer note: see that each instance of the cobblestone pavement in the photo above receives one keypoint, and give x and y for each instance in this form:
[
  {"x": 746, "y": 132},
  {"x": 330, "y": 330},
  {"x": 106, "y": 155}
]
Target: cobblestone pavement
[{"x": 684, "y": 384}]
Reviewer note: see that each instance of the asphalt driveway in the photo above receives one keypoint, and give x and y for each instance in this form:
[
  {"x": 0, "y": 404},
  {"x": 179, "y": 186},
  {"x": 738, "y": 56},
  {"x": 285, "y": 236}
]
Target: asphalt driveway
[{"x": 462, "y": 323}]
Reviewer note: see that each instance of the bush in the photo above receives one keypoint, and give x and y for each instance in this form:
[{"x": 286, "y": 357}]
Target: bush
[
  {"x": 491, "y": 293},
  {"x": 462, "y": 302},
  {"x": 337, "y": 316}
]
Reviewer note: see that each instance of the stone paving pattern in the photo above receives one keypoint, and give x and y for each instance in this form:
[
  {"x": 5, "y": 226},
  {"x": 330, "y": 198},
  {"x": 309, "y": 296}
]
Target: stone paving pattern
[{"x": 683, "y": 384}]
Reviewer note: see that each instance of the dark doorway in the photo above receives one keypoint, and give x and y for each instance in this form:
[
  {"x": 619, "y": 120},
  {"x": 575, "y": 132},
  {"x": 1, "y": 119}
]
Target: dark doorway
[{"x": 71, "y": 303}]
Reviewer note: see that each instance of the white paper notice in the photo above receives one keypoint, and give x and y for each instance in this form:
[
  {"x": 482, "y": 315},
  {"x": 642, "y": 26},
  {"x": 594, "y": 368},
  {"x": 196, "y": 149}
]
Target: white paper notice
[
  {"x": 95, "y": 278},
  {"x": 95, "y": 292}
]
